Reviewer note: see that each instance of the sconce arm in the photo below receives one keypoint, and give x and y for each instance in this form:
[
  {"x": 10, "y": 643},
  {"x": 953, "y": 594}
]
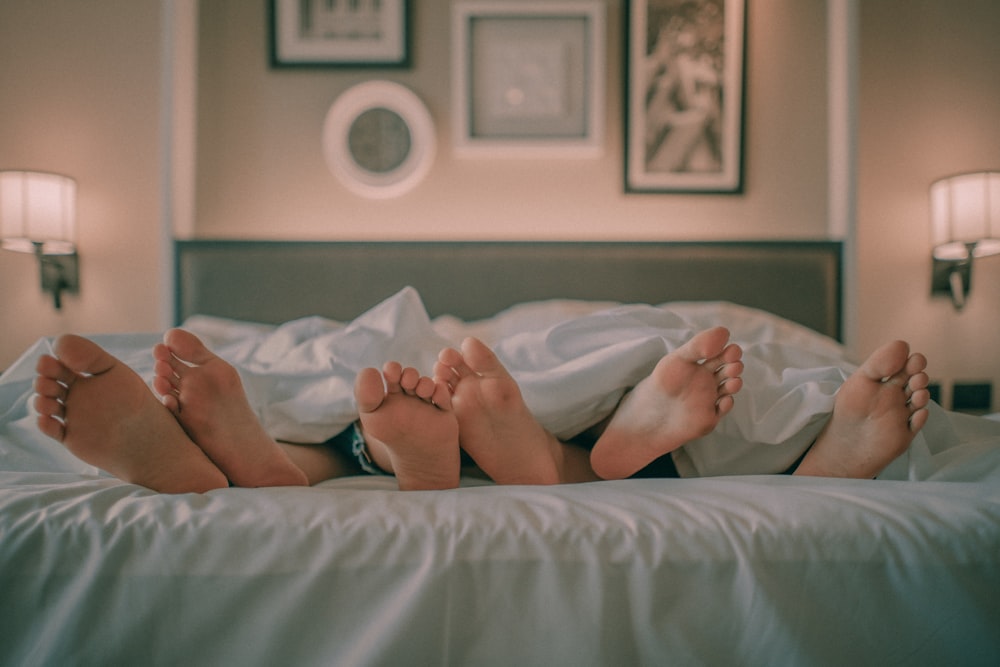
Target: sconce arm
[
  {"x": 59, "y": 273},
  {"x": 952, "y": 277}
]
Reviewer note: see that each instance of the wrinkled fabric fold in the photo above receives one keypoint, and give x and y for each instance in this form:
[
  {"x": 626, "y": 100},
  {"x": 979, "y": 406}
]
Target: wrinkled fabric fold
[{"x": 572, "y": 371}]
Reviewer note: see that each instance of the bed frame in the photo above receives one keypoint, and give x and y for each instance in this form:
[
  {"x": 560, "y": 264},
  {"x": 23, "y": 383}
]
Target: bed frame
[
  {"x": 277, "y": 281},
  {"x": 737, "y": 569}
]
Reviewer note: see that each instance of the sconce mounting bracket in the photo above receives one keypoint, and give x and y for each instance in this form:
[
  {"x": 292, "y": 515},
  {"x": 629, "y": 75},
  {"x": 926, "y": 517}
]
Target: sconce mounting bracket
[
  {"x": 60, "y": 273},
  {"x": 941, "y": 271}
]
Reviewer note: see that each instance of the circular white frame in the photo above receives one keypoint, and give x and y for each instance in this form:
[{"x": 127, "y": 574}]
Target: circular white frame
[{"x": 378, "y": 95}]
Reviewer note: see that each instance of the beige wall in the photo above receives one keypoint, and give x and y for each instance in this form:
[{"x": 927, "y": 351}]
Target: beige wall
[
  {"x": 81, "y": 95},
  {"x": 261, "y": 172},
  {"x": 929, "y": 107}
]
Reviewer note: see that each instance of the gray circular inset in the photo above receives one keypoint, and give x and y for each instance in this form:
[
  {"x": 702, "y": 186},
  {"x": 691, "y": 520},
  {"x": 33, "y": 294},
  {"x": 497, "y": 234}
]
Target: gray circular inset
[{"x": 379, "y": 140}]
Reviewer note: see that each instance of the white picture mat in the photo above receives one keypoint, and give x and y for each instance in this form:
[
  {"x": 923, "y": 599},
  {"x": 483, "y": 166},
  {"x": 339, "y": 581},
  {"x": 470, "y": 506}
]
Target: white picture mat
[{"x": 528, "y": 78}]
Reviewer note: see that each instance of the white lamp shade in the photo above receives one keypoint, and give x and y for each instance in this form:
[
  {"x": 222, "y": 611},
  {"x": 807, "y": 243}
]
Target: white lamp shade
[
  {"x": 965, "y": 210},
  {"x": 37, "y": 210}
]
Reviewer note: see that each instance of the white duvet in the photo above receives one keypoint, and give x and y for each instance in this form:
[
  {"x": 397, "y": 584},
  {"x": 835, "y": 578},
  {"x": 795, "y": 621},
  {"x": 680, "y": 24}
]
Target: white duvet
[
  {"x": 573, "y": 361},
  {"x": 741, "y": 569}
]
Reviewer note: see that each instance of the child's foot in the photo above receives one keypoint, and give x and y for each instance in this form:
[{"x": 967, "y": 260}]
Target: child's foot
[
  {"x": 876, "y": 414},
  {"x": 102, "y": 411},
  {"x": 684, "y": 398},
  {"x": 206, "y": 396},
  {"x": 409, "y": 427},
  {"x": 495, "y": 426}
]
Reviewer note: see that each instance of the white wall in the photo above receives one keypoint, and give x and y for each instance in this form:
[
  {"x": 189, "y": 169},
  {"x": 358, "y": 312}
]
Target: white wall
[{"x": 261, "y": 171}]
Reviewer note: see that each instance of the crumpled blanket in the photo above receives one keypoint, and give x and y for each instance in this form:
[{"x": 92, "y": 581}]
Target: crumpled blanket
[{"x": 573, "y": 362}]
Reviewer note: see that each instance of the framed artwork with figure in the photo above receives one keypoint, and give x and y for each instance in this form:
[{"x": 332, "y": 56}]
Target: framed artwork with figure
[{"x": 684, "y": 95}]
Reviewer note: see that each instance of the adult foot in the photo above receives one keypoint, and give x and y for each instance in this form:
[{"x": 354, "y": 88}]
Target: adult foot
[
  {"x": 409, "y": 426},
  {"x": 495, "y": 426},
  {"x": 205, "y": 395},
  {"x": 685, "y": 396},
  {"x": 102, "y": 411},
  {"x": 876, "y": 414}
]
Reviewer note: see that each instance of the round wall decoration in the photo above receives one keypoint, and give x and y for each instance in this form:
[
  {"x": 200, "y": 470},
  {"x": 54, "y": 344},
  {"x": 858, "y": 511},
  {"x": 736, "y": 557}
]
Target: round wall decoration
[{"x": 378, "y": 139}]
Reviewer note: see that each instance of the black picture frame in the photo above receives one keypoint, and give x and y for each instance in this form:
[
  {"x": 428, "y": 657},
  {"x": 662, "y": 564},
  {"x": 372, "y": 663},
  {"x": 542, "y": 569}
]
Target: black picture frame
[
  {"x": 684, "y": 96},
  {"x": 340, "y": 33}
]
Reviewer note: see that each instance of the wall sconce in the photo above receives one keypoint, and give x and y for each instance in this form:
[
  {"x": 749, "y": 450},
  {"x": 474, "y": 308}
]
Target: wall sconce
[
  {"x": 38, "y": 215},
  {"x": 965, "y": 224}
]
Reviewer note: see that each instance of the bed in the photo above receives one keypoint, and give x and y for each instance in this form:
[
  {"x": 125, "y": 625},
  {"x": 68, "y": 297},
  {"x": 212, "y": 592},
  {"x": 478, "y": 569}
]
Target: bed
[{"x": 735, "y": 567}]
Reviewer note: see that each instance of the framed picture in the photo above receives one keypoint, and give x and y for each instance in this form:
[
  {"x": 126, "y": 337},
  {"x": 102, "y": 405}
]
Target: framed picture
[
  {"x": 528, "y": 78},
  {"x": 340, "y": 33},
  {"x": 684, "y": 95},
  {"x": 379, "y": 139}
]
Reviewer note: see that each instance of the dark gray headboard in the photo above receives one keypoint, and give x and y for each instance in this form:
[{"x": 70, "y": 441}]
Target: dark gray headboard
[{"x": 276, "y": 281}]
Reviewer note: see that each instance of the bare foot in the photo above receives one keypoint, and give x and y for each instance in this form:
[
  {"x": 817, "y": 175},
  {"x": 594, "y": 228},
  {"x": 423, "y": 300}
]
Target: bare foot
[
  {"x": 495, "y": 426},
  {"x": 206, "y": 396},
  {"x": 684, "y": 398},
  {"x": 876, "y": 414},
  {"x": 102, "y": 411},
  {"x": 409, "y": 427}
]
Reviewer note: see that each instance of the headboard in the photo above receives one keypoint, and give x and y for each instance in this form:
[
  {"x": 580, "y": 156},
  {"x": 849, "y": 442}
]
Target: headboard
[{"x": 277, "y": 281}]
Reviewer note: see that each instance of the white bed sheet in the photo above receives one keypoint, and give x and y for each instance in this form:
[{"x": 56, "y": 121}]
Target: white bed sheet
[{"x": 743, "y": 569}]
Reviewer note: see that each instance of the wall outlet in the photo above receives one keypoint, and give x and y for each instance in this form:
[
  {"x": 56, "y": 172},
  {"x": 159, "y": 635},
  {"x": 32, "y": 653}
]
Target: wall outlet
[{"x": 972, "y": 396}]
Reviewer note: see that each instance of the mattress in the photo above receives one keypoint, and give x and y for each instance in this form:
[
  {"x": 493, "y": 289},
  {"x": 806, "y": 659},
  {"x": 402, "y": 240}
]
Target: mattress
[{"x": 732, "y": 566}]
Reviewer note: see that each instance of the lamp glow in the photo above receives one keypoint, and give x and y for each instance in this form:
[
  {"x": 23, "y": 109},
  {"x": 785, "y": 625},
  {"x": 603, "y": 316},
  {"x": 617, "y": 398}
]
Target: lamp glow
[
  {"x": 965, "y": 215},
  {"x": 38, "y": 216}
]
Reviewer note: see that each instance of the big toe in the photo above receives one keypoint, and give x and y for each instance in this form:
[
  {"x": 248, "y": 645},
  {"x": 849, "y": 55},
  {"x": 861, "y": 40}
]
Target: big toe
[
  {"x": 369, "y": 390},
  {"x": 82, "y": 355},
  {"x": 187, "y": 346},
  {"x": 886, "y": 361},
  {"x": 706, "y": 344},
  {"x": 481, "y": 359}
]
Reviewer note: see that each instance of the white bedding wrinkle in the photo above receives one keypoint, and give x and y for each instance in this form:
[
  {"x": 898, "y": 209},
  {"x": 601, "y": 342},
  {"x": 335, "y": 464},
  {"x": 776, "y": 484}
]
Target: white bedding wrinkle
[
  {"x": 299, "y": 376},
  {"x": 737, "y": 569},
  {"x": 572, "y": 372}
]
